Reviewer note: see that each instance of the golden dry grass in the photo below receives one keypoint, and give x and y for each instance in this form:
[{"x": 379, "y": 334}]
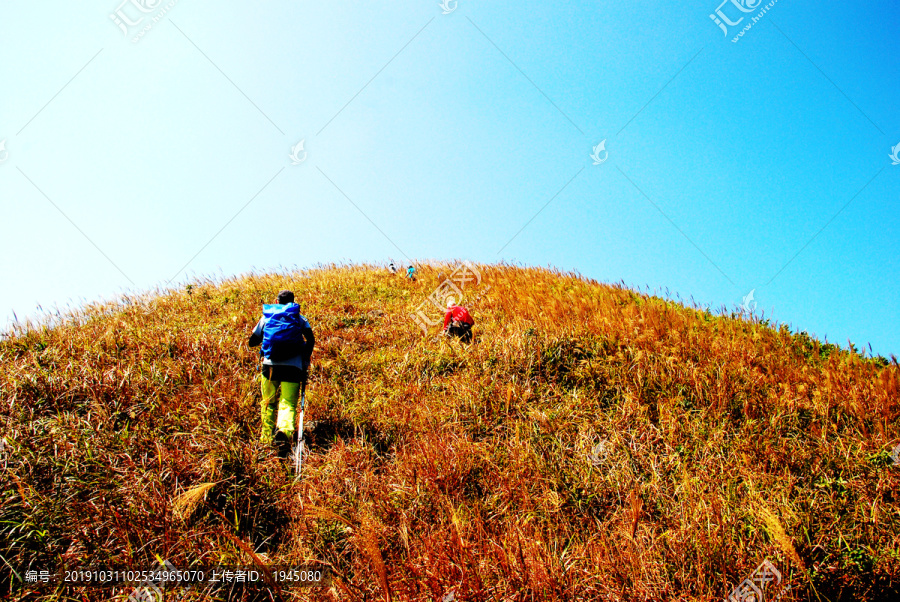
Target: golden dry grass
[
  {"x": 436, "y": 467},
  {"x": 184, "y": 505}
]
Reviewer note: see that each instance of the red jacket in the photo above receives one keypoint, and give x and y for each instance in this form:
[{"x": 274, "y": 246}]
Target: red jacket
[{"x": 459, "y": 314}]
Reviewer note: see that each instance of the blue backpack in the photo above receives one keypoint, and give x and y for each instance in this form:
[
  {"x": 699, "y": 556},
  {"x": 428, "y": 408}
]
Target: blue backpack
[{"x": 282, "y": 332}]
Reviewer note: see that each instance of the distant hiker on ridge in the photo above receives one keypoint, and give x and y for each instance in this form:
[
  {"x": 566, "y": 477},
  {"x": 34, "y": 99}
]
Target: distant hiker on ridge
[
  {"x": 411, "y": 273},
  {"x": 458, "y": 322},
  {"x": 287, "y": 344}
]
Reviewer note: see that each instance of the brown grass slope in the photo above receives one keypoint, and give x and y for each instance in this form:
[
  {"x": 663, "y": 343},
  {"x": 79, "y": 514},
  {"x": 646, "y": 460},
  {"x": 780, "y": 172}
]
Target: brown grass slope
[{"x": 592, "y": 444}]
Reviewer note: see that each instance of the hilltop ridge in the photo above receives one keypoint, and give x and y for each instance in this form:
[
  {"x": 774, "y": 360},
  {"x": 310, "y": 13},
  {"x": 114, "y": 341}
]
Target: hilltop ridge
[{"x": 593, "y": 443}]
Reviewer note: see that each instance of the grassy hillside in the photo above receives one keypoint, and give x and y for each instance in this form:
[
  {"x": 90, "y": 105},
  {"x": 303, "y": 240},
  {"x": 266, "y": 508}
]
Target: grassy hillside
[{"x": 593, "y": 443}]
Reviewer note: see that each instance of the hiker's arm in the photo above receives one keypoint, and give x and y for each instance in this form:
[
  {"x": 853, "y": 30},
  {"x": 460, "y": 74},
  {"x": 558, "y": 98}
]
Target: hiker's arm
[
  {"x": 310, "y": 339},
  {"x": 256, "y": 335}
]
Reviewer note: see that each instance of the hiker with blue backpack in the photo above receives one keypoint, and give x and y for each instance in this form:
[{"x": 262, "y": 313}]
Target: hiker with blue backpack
[{"x": 286, "y": 344}]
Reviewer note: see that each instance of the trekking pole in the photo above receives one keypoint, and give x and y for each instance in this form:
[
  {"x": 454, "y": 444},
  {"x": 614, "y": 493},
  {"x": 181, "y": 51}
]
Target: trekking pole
[{"x": 298, "y": 450}]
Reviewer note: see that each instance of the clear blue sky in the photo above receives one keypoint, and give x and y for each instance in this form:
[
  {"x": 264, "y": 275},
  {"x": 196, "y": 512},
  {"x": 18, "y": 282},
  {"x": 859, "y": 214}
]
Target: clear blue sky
[{"x": 450, "y": 132}]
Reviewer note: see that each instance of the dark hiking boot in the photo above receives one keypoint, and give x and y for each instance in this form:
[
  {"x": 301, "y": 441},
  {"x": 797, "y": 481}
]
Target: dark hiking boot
[{"x": 282, "y": 444}]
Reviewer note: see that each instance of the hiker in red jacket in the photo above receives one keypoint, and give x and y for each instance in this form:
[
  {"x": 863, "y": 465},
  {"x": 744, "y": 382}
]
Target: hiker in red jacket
[{"x": 458, "y": 322}]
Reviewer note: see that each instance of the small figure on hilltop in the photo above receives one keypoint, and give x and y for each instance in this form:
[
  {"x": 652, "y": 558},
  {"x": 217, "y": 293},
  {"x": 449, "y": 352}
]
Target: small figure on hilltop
[
  {"x": 411, "y": 273},
  {"x": 392, "y": 267},
  {"x": 287, "y": 342},
  {"x": 458, "y": 322}
]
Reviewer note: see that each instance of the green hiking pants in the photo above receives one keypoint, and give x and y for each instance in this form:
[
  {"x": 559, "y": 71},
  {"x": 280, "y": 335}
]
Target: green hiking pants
[{"x": 279, "y": 413}]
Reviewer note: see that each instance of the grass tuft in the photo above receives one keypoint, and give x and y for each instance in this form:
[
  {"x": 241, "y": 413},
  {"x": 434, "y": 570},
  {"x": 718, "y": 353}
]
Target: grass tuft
[{"x": 185, "y": 504}]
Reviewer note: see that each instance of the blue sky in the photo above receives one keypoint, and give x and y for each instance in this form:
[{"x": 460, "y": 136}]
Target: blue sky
[{"x": 761, "y": 164}]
